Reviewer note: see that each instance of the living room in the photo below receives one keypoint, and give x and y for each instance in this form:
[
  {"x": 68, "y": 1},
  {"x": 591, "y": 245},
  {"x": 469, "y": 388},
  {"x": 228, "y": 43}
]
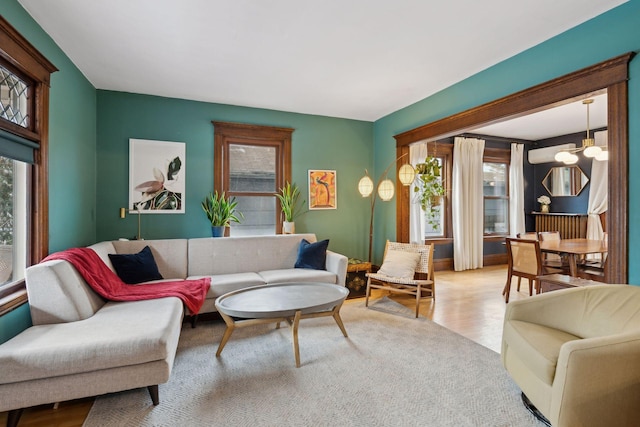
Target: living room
[{"x": 90, "y": 129}]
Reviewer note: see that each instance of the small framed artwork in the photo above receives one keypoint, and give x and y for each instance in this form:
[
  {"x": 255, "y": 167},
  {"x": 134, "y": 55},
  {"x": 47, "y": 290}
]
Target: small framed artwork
[
  {"x": 322, "y": 189},
  {"x": 156, "y": 176}
]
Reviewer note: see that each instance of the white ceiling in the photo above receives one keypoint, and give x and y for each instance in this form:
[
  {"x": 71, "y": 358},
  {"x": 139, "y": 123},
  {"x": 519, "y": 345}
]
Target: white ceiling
[
  {"x": 561, "y": 120},
  {"x": 358, "y": 59}
]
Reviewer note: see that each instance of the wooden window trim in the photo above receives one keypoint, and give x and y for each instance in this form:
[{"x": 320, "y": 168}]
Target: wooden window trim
[
  {"x": 26, "y": 60},
  {"x": 226, "y": 133},
  {"x": 498, "y": 155},
  {"x": 612, "y": 75}
]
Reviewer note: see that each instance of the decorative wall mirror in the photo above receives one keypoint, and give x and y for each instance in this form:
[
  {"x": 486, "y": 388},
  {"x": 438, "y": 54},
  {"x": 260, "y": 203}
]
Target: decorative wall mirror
[{"x": 565, "y": 181}]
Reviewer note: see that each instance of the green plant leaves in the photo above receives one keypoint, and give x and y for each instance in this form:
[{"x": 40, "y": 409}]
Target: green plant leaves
[{"x": 220, "y": 210}]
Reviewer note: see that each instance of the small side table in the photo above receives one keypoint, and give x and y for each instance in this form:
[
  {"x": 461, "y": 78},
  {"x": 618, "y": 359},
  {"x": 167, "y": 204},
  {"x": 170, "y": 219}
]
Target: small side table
[{"x": 356, "y": 277}]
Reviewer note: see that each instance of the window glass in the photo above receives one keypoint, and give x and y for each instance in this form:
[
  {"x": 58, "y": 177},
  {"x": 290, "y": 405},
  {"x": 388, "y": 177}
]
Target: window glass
[
  {"x": 13, "y": 98},
  {"x": 496, "y": 200},
  {"x": 13, "y": 220},
  {"x": 259, "y": 216},
  {"x": 434, "y": 208},
  {"x": 252, "y": 168}
]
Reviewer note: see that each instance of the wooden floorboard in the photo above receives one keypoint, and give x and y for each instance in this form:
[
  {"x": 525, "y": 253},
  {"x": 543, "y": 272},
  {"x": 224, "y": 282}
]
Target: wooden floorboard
[{"x": 469, "y": 303}]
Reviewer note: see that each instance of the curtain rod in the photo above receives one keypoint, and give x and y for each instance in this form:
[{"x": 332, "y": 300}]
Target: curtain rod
[{"x": 497, "y": 138}]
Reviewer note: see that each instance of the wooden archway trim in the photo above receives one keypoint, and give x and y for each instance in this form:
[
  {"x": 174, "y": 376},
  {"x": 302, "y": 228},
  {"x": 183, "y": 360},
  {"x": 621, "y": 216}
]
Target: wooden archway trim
[{"x": 611, "y": 75}]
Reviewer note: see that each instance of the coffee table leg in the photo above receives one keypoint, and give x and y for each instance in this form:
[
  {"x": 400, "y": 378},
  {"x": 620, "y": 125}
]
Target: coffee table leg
[
  {"x": 227, "y": 333},
  {"x": 338, "y": 319},
  {"x": 294, "y": 328}
]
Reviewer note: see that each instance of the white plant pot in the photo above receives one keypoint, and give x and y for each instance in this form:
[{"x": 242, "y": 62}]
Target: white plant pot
[{"x": 288, "y": 227}]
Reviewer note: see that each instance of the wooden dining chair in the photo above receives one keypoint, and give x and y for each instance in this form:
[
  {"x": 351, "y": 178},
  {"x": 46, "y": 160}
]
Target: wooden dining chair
[
  {"x": 553, "y": 260},
  {"x": 594, "y": 268},
  {"x": 524, "y": 261},
  {"x": 406, "y": 268},
  {"x": 530, "y": 235}
]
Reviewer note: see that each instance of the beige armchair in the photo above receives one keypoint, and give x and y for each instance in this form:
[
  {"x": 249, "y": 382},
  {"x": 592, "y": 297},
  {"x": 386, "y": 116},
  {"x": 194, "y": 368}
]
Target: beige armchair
[{"x": 575, "y": 354}]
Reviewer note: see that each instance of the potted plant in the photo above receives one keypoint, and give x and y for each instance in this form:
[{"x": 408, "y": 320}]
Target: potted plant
[
  {"x": 221, "y": 212},
  {"x": 430, "y": 188},
  {"x": 290, "y": 204}
]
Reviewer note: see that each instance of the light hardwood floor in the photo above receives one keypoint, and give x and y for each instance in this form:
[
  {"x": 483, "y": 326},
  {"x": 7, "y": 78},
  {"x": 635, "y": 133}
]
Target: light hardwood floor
[{"x": 469, "y": 303}]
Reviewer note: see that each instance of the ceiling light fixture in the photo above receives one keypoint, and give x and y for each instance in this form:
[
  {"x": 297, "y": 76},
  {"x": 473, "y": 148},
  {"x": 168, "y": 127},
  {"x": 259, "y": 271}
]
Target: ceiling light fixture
[{"x": 589, "y": 147}]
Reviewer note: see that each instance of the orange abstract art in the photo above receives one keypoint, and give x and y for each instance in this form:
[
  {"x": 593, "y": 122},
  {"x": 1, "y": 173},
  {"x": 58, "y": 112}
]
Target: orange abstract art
[{"x": 322, "y": 189}]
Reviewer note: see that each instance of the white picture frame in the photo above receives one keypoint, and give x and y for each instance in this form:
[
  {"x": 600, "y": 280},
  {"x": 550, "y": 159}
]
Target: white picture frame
[{"x": 157, "y": 171}]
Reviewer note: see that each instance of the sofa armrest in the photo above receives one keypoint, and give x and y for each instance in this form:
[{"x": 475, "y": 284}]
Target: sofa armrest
[
  {"x": 597, "y": 382},
  {"x": 337, "y": 264}
]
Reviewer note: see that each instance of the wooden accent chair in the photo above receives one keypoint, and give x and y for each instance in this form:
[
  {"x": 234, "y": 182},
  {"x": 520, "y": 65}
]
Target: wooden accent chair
[
  {"x": 553, "y": 260},
  {"x": 406, "y": 268},
  {"x": 524, "y": 260}
]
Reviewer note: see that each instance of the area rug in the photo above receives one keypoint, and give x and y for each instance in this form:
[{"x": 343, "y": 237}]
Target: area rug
[{"x": 393, "y": 370}]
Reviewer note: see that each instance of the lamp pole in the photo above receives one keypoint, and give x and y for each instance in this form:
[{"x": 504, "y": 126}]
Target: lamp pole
[{"x": 373, "y": 200}]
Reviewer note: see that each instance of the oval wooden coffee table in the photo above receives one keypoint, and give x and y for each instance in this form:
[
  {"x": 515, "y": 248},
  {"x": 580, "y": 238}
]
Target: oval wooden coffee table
[{"x": 277, "y": 303}]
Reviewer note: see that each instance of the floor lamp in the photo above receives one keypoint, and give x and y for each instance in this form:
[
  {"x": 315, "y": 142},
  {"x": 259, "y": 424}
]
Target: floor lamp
[{"x": 386, "y": 189}]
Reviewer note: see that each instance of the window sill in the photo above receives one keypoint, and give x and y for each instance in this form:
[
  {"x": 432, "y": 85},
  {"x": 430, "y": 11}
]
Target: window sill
[{"x": 12, "y": 298}]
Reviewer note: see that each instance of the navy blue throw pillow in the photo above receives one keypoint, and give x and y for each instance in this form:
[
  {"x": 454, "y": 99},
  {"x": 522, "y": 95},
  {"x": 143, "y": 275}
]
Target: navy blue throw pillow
[
  {"x": 312, "y": 255},
  {"x": 136, "y": 268}
]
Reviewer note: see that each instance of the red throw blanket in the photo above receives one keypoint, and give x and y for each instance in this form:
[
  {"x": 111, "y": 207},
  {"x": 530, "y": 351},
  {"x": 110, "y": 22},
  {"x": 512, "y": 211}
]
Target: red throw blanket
[{"x": 109, "y": 286}]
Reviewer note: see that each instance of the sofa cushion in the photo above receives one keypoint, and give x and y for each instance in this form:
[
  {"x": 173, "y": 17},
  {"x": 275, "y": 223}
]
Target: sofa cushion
[
  {"x": 537, "y": 346},
  {"x": 170, "y": 254},
  {"x": 119, "y": 334},
  {"x": 298, "y": 275},
  {"x": 136, "y": 268},
  {"x": 400, "y": 264},
  {"x": 312, "y": 255},
  {"x": 223, "y": 283}
]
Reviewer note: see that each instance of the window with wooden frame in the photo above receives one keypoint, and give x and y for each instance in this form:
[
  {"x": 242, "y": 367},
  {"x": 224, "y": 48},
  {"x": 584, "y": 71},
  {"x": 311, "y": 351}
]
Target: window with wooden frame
[
  {"x": 495, "y": 186},
  {"x": 496, "y": 161},
  {"x": 24, "y": 127},
  {"x": 438, "y": 221},
  {"x": 251, "y": 163}
]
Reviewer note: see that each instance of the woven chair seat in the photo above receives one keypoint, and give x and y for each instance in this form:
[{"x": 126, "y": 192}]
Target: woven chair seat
[{"x": 398, "y": 280}]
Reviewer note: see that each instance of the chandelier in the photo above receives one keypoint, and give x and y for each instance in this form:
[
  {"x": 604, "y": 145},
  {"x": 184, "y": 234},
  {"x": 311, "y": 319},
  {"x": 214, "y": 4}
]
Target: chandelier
[{"x": 589, "y": 147}]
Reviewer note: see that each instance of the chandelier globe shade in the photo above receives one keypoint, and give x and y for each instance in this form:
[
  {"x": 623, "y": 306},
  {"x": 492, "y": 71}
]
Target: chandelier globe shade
[
  {"x": 365, "y": 186},
  {"x": 592, "y": 151},
  {"x": 386, "y": 190},
  {"x": 571, "y": 160},
  {"x": 561, "y": 156}
]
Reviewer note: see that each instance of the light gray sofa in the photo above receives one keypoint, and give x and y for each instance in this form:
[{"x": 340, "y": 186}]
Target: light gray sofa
[{"x": 81, "y": 345}]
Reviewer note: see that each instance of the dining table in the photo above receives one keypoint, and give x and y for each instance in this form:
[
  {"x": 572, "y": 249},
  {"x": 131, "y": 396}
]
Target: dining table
[{"x": 574, "y": 249}]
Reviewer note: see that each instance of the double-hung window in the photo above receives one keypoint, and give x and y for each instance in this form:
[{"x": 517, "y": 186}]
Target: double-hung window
[
  {"x": 495, "y": 189},
  {"x": 251, "y": 163},
  {"x": 24, "y": 106}
]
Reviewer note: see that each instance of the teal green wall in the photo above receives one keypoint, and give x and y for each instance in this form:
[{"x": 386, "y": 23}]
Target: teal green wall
[
  {"x": 317, "y": 143},
  {"x": 606, "y": 36},
  {"x": 72, "y": 152}
]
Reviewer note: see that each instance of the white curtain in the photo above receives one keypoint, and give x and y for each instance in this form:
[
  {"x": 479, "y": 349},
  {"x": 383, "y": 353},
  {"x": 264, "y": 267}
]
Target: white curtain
[
  {"x": 417, "y": 154},
  {"x": 598, "y": 191},
  {"x": 467, "y": 203},
  {"x": 516, "y": 190}
]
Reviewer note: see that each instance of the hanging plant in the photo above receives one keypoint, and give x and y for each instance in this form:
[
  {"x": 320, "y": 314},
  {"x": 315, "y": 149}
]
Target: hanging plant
[{"x": 430, "y": 189}]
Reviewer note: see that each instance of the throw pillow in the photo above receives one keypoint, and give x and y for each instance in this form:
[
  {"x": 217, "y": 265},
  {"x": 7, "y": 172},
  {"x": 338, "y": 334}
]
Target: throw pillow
[
  {"x": 312, "y": 255},
  {"x": 400, "y": 264},
  {"x": 136, "y": 268}
]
